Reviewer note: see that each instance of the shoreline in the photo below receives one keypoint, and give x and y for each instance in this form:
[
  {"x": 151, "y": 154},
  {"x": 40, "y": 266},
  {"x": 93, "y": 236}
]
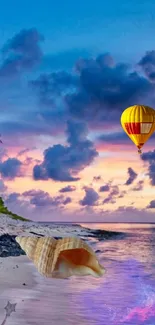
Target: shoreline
[{"x": 10, "y": 228}]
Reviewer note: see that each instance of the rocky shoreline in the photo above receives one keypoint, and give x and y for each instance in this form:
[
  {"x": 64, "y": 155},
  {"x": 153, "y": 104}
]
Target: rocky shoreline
[
  {"x": 10, "y": 228},
  {"x": 9, "y": 246}
]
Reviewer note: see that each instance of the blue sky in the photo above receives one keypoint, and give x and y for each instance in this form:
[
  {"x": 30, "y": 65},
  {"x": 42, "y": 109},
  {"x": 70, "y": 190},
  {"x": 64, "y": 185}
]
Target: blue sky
[{"x": 124, "y": 28}]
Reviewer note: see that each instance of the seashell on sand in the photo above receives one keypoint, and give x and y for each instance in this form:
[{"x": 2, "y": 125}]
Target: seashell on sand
[{"x": 61, "y": 258}]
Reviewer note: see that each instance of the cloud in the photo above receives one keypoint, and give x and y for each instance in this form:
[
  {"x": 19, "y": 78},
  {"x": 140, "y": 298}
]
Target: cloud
[
  {"x": 40, "y": 198},
  {"x": 151, "y": 205},
  {"x": 67, "y": 201},
  {"x": 63, "y": 163},
  {"x": 53, "y": 85},
  {"x": 3, "y": 187},
  {"x": 68, "y": 188},
  {"x": 26, "y": 150},
  {"x": 150, "y": 158},
  {"x": 147, "y": 63},
  {"x": 21, "y": 53},
  {"x": 104, "y": 188},
  {"x": 10, "y": 168},
  {"x": 85, "y": 93},
  {"x": 97, "y": 178},
  {"x": 132, "y": 214},
  {"x": 109, "y": 86},
  {"x": 55, "y": 97},
  {"x": 112, "y": 195},
  {"x": 139, "y": 186},
  {"x": 12, "y": 198},
  {"x": 132, "y": 176},
  {"x": 91, "y": 197},
  {"x": 113, "y": 137}
]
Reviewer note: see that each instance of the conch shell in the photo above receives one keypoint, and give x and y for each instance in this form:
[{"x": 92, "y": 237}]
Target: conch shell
[{"x": 61, "y": 258}]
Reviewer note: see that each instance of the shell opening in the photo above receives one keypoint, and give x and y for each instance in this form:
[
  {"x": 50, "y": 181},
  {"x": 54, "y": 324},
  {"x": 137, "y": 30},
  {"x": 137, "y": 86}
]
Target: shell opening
[{"x": 81, "y": 257}]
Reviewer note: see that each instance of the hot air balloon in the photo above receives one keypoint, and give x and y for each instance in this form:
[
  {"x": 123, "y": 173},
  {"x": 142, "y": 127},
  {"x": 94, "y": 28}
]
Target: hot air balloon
[{"x": 138, "y": 122}]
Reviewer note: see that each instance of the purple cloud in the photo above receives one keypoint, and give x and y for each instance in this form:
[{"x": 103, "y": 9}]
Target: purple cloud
[
  {"x": 104, "y": 188},
  {"x": 151, "y": 205},
  {"x": 12, "y": 198},
  {"x": 40, "y": 198},
  {"x": 10, "y": 168},
  {"x": 3, "y": 187},
  {"x": 132, "y": 176},
  {"x": 68, "y": 188},
  {"x": 63, "y": 163},
  {"x": 91, "y": 197},
  {"x": 67, "y": 201},
  {"x": 150, "y": 158},
  {"x": 112, "y": 195}
]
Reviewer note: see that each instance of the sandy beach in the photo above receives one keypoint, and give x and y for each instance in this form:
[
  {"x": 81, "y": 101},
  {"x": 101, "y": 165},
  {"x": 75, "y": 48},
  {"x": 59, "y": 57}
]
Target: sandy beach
[
  {"x": 17, "y": 281},
  {"x": 40, "y": 300}
]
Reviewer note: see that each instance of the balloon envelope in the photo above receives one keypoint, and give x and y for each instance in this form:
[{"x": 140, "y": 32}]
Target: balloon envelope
[{"x": 138, "y": 122}]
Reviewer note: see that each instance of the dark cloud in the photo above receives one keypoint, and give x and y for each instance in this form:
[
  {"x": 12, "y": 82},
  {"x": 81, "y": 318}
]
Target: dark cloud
[
  {"x": 40, "y": 198},
  {"x": 67, "y": 200},
  {"x": 106, "y": 88},
  {"x": 53, "y": 85},
  {"x": 63, "y": 163},
  {"x": 147, "y": 63},
  {"x": 150, "y": 158},
  {"x": 114, "y": 137},
  {"x": 68, "y": 188},
  {"x": 111, "y": 198},
  {"x": 132, "y": 176},
  {"x": 104, "y": 188},
  {"x": 91, "y": 197},
  {"x": 10, "y": 168},
  {"x": 151, "y": 205},
  {"x": 97, "y": 90},
  {"x": 139, "y": 186},
  {"x": 21, "y": 53}
]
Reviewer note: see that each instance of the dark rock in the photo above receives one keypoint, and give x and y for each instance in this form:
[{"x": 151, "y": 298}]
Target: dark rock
[
  {"x": 34, "y": 233},
  {"x": 104, "y": 234},
  {"x": 24, "y": 284},
  {"x": 4, "y": 253},
  {"x": 9, "y": 246},
  {"x": 98, "y": 251}
]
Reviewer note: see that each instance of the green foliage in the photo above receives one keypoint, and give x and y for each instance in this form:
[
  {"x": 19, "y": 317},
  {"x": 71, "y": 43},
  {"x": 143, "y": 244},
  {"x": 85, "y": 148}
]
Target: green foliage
[{"x": 4, "y": 210}]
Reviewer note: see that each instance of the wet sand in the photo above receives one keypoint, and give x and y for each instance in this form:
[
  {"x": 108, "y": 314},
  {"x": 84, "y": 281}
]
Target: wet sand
[
  {"x": 17, "y": 281},
  {"x": 42, "y": 300}
]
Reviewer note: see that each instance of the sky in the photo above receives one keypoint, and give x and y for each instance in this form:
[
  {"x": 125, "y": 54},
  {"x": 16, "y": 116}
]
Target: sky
[{"x": 67, "y": 72}]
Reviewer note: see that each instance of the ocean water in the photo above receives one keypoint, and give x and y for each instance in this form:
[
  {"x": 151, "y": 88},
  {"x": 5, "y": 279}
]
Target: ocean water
[{"x": 125, "y": 295}]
